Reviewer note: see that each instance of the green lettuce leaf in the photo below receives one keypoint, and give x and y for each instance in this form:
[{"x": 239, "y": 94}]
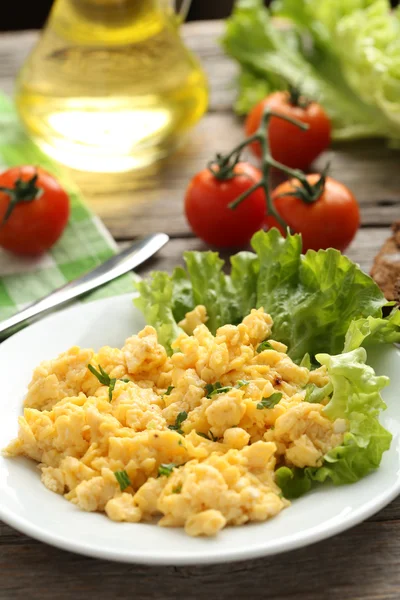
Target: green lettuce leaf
[
  {"x": 244, "y": 276},
  {"x": 182, "y": 294},
  {"x": 356, "y": 397},
  {"x": 356, "y": 388},
  {"x": 344, "y": 53},
  {"x": 156, "y": 300},
  {"x": 212, "y": 288},
  {"x": 293, "y": 482},
  {"x": 372, "y": 331},
  {"x": 313, "y": 298},
  {"x": 252, "y": 89}
]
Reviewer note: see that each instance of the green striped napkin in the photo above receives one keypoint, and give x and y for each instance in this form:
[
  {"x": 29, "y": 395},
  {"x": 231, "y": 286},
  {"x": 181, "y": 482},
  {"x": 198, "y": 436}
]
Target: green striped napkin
[{"x": 84, "y": 244}]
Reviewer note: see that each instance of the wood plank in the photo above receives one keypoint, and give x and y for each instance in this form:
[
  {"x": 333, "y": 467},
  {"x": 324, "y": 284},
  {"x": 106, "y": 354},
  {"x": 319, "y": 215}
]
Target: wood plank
[
  {"x": 203, "y": 38},
  {"x": 389, "y": 513},
  {"x": 353, "y": 565},
  {"x": 366, "y": 245},
  {"x": 14, "y": 48}
]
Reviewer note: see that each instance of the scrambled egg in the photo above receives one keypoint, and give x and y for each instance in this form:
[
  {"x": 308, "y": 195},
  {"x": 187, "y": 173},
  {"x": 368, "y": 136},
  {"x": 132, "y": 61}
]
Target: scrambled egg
[{"x": 194, "y": 438}]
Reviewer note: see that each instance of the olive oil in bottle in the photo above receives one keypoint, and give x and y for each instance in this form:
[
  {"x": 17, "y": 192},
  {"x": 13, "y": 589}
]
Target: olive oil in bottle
[{"x": 110, "y": 86}]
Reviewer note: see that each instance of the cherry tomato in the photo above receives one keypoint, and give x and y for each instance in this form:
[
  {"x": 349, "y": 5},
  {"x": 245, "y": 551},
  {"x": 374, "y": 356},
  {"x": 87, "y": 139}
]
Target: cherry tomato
[
  {"x": 34, "y": 210},
  {"x": 329, "y": 222},
  {"x": 289, "y": 144},
  {"x": 206, "y": 206}
]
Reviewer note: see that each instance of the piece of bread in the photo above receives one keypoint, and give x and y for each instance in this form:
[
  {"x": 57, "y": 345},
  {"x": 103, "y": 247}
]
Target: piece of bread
[{"x": 386, "y": 268}]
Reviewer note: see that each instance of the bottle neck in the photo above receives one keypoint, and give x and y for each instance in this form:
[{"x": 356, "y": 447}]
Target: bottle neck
[{"x": 107, "y": 21}]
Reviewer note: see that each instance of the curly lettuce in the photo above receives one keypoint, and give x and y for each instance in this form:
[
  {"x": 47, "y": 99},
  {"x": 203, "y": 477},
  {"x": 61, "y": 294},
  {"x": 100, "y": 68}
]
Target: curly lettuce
[
  {"x": 345, "y": 54},
  {"x": 355, "y": 397},
  {"x": 157, "y": 300},
  {"x": 312, "y": 298},
  {"x": 372, "y": 330}
]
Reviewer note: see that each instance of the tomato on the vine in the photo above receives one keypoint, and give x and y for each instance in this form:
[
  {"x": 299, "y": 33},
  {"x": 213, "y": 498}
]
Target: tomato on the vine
[
  {"x": 34, "y": 210},
  {"x": 330, "y": 221},
  {"x": 290, "y": 145},
  {"x": 207, "y": 208}
]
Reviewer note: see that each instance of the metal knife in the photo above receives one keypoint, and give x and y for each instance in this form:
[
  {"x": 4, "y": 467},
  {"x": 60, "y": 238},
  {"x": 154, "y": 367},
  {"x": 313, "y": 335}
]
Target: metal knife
[{"x": 117, "y": 265}]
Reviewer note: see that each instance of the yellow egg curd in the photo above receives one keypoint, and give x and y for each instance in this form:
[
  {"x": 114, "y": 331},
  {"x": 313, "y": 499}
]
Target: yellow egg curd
[{"x": 193, "y": 439}]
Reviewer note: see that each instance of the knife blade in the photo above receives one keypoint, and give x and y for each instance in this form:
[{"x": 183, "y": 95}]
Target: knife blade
[{"x": 117, "y": 265}]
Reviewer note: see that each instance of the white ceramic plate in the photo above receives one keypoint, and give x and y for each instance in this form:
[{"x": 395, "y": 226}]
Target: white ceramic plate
[{"x": 29, "y": 507}]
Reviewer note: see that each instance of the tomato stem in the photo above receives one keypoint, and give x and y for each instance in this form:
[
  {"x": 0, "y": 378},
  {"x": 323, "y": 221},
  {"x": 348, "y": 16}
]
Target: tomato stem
[
  {"x": 266, "y": 165},
  {"x": 311, "y": 192},
  {"x": 296, "y": 98},
  {"x": 243, "y": 196},
  {"x": 223, "y": 167},
  {"x": 23, "y": 191}
]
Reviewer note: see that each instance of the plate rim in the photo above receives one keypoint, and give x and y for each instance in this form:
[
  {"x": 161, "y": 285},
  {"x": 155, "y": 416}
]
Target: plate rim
[
  {"x": 212, "y": 555},
  {"x": 234, "y": 555}
]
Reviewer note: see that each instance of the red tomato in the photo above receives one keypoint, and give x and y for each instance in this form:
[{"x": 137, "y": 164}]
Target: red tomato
[
  {"x": 329, "y": 222},
  {"x": 207, "y": 209},
  {"x": 289, "y": 144},
  {"x": 40, "y": 210}
]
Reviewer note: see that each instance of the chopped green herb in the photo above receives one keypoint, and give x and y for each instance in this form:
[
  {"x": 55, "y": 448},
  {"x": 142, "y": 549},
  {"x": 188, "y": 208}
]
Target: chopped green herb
[
  {"x": 316, "y": 394},
  {"x": 166, "y": 469},
  {"x": 125, "y": 380},
  {"x": 306, "y": 361},
  {"x": 210, "y": 436},
  {"x": 310, "y": 387},
  {"x": 169, "y": 390},
  {"x": 177, "y": 489},
  {"x": 123, "y": 479},
  {"x": 180, "y": 443},
  {"x": 208, "y": 388},
  {"x": 104, "y": 379},
  {"x": 241, "y": 383},
  {"x": 182, "y": 416},
  {"x": 269, "y": 402},
  {"x": 220, "y": 390},
  {"x": 211, "y": 387},
  {"x": 111, "y": 387},
  {"x": 265, "y": 345},
  {"x": 101, "y": 375}
]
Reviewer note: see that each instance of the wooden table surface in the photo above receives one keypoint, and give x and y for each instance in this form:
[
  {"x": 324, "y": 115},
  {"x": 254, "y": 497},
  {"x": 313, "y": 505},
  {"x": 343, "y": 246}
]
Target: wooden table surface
[{"x": 363, "y": 563}]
